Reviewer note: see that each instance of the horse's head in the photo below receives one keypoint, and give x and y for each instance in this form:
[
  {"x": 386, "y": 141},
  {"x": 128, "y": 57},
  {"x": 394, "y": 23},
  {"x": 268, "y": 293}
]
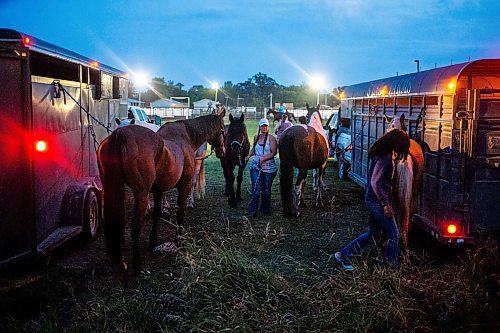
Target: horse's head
[
  {"x": 236, "y": 140},
  {"x": 270, "y": 111},
  {"x": 220, "y": 110},
  {"x": 310, "y": 111},
  {"x": 397, "y": 123}
]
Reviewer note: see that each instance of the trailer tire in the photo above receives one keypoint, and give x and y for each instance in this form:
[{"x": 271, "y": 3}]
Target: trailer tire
[{"x": 91, "y": 215}]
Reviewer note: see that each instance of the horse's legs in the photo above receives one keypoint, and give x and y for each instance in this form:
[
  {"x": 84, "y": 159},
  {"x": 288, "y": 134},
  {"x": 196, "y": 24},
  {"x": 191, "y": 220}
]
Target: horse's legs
[
  {"x": 182, "y": 195},
  {"x": 141, "y": 203},
  {"x": 239, "y": 180},
  {"x": 194, "y": 181},
  {"x": 315, "y": 179},
  {"x": 230, "y": 181},
  {"x": 319, "y": 194},
  {"x": 153, "y": 236},
  {"x": 299, "y": 189}
]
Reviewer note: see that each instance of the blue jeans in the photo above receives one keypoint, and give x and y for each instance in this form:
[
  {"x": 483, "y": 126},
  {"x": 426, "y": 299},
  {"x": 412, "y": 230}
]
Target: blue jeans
[
  {"x": 377, "y": 223},
  {"x": 261, "y": 183}
]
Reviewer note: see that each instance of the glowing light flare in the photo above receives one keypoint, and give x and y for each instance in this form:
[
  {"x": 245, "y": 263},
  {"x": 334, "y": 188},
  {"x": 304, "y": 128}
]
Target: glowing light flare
[
  {"x": 141, "y": 79},
  {"x": 384, "y": 91},
  {"x": 318, "y": 82},
  {"x": 451, "y": 229},
  {"x": 94, "y": 64},
  {"x": 27, "y": 40},
  {"x": 41, "y": 146},
  {"x": 451, "y": 85},
  {"x": 215, "y": 85},
  {"x": 341, "y": 95}
]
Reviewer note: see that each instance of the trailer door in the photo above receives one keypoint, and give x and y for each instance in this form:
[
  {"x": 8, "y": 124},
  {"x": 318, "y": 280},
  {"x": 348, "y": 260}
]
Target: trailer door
[{"x": 16, "y": 186}]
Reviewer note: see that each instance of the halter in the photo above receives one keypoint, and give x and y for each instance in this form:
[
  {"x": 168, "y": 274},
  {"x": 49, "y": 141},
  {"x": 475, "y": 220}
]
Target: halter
[{"x": 240, "y": 149}]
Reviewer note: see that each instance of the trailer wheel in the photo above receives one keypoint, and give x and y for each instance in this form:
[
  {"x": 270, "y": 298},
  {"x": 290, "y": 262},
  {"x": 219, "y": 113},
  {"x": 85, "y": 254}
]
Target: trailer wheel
[
  {"x": 343, "y": 168},
  {"x": 90, "y": 215}
]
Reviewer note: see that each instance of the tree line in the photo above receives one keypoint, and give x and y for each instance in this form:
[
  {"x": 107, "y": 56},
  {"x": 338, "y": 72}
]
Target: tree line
[{"x": 256, "y": 91}]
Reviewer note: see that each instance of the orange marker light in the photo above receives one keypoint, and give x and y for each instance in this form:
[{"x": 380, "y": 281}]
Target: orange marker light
[
  {"x": 451, "y": 85},
  {"x": 452, "y": 229},
  {"x": 383, "y": 91},
  {"x": 27, "y": 40},
  {"x": 41, "y": 146},
  {"x": 94, "y": 64}
]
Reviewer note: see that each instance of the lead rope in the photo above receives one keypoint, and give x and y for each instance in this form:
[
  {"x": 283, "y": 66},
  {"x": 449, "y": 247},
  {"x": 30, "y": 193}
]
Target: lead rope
[{"x": 60, "y": 88}]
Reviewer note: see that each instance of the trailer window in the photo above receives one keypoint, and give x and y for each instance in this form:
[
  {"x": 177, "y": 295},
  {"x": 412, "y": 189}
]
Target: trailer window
[
  {"x": 431, "y": 100},
  {"x": 46, "y": 66}
]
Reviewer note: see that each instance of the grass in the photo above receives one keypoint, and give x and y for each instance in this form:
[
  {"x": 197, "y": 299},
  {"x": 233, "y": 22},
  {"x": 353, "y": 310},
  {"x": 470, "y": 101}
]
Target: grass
[{"x": 265, "y": 274}]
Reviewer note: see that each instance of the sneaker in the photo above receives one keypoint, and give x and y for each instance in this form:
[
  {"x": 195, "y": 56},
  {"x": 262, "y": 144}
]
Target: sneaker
[{"x": 345, "y": 264}]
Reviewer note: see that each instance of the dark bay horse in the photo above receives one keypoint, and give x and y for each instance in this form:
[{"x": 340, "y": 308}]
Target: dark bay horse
[
  {"x": 148, "y": 162},
  {"x": 277, "y": 115},
  {"x": 407, "y": 182},
  {"x": 302, "y": 147},
  {"x": 237, "y": 149}
]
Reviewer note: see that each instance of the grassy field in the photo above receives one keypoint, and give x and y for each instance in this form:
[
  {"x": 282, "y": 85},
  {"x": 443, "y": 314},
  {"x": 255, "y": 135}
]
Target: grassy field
[{"x": 266, "y": 275}]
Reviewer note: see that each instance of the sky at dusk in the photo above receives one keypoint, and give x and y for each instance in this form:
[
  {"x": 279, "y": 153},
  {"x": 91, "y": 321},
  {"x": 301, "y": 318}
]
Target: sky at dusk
[{"x": 195, "y": 42}]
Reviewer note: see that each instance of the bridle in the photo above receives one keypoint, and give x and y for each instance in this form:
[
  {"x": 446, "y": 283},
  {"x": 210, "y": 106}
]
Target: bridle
[{"x": 241, "y": 161}]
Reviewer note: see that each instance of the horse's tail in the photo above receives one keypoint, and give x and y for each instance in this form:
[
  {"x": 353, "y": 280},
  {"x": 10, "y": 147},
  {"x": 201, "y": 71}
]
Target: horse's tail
[
  {"x": 403, "y": 196},
  {"x": 286, "y": 173},
  {"x": 200, "y": 182},
  {"x": 110, "y": 165}
]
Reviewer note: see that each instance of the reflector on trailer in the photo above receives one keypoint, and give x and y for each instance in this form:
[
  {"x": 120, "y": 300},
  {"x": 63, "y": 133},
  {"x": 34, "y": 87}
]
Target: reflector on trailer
[{"x": 27, "y": 40}]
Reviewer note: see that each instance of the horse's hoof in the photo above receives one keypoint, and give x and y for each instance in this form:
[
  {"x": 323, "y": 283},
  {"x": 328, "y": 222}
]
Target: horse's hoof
[
  {"x": 315, "y": 188},
  {"x": 122, "y": 267}
]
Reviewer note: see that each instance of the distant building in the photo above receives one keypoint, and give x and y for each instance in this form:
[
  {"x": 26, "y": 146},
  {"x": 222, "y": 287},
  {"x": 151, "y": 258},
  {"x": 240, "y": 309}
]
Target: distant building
[
  {"x": 166, "y": 103},
  {"x": 203, "y": 104},
  {"x": 135, "y": 102}
]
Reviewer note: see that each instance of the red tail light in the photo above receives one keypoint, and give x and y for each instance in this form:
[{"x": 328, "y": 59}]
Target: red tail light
[
  {"x": 451, "y": 229},
  {"x": 41, "y": 146}
]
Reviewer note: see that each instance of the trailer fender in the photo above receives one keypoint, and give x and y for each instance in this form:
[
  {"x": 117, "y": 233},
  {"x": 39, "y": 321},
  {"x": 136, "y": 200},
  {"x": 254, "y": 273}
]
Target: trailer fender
[{"x": 82, "y": 206}]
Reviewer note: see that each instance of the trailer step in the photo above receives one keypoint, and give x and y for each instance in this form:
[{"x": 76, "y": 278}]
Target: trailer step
[{"x": 59, "y": 236}]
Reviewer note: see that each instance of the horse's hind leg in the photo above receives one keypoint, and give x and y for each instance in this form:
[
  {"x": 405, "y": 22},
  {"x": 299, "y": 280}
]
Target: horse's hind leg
[
  {"x": 319, "y": 194},
  {"x": 230, "y": 181},
  {"x": 141, "y": 203},
  {"x": 182, "y": 196},
  {"x": 298, "y": 200},
  {"x": 157, "y": 211}
]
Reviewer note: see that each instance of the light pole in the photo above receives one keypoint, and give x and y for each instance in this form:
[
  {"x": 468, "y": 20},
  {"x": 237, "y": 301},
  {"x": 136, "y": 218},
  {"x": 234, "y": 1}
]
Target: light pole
[
  {"x": 318, "y": 83},
  {"x": 215, "y": 86},
  {"x": 270, "y": 100},
  {"x": 141, "y": 80}
]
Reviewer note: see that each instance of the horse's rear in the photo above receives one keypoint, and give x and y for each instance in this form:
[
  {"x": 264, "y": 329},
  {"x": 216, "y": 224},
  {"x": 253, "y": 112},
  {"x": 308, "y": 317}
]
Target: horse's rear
[
  {"x": 303, "y": 148},
  {"x": 130, "y": 155},
  {"x": 407, "y": 188}
]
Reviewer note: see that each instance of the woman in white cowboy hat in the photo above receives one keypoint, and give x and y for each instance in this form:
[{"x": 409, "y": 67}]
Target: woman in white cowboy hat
[{"x": 262, "y": 169}]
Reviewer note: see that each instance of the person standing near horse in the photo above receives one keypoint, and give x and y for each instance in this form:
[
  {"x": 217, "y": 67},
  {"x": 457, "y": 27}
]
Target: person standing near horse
[
  {"x": 282, "y": 108},
  {"x": 378, "y": 198},
  {"x": 283, "y": 124},
  {"x": 262, "y": 169}
]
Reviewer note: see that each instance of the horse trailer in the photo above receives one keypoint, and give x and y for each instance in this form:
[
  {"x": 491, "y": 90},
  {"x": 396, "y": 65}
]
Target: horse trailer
[
  {"x": 56, "y": 106},
  {"x": 453, "y": 112}
]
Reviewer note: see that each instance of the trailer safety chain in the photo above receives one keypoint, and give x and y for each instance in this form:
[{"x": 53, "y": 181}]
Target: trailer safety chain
[
  {"x": 341, "y": 152},
  {"x": 92, "y": 132},
  {"x": 59, "y": 87},
  {"x": 418, "y": 120}
]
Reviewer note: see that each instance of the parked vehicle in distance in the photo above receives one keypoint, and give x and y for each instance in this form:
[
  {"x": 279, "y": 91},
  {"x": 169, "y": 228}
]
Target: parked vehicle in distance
[{"x": 140, "y": 118}]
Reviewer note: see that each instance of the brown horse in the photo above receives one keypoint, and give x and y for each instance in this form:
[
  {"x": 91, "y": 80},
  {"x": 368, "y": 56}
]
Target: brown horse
[
  {"x": 302, "y": 147},
  {"x": 150, "y": 162},
  {"x": 198, "y": 188},
  {"x": 277, "y": 115},
  {"x": 237, "y": 149},
  {"x": 408, "y": 180}
]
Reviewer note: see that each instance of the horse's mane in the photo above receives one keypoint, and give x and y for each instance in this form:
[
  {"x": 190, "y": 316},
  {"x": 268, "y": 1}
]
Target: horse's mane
[
  {"x": 203, "y": 127},
  {"x": 395, "y": 140}
]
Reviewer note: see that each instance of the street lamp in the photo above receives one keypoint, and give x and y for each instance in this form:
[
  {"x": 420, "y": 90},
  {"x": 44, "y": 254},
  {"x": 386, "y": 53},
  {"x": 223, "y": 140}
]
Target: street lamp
[
  {"x": 318, "y": 83},
  {"x": 141, "y": 81},
  {"x": 215, "y": 85}
]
